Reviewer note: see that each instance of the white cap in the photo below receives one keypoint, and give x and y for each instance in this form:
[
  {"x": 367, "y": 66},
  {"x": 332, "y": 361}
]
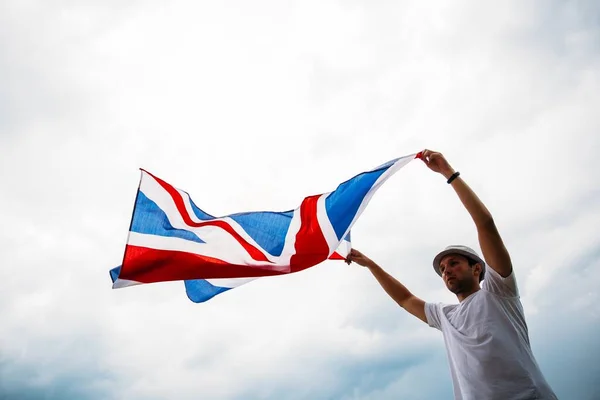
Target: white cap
[{"x": 462, "y": 250}]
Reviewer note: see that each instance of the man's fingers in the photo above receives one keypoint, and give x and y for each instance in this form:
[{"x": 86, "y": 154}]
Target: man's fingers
[
  {"x": 432, "y": 159},
  {"x": 357, "y": 257},
  {"x": 350, "y": 257},
  {"x": 353, "y": 258},
  {"x": 425, "y": 155}
]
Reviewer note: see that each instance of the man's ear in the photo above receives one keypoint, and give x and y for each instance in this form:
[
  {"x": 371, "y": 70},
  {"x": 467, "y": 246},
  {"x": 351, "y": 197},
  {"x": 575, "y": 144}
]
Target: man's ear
[{"x": 478, "y": 267}]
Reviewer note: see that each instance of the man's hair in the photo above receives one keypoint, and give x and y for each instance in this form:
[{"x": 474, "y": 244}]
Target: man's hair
[{"x": 472, "y": 263}]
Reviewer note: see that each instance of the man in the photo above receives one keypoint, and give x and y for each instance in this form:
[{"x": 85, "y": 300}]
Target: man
[{"x": 486, "y": 337}]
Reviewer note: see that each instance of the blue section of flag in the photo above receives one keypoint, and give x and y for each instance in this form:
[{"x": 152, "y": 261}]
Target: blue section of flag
[
  {"x": 343, "y": 203},
  {"x": 347, "y": 238},
  {"x": 114, "y": 273},
  {"x": 199, "y": 213},
  {"x": 266, "y": 228},
  {"x": 200, "y": 290},
  {"x": 148, "y": 218}
]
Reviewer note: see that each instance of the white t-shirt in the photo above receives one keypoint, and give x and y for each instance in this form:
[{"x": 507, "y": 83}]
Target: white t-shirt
[{"x": 487, "y": 343}]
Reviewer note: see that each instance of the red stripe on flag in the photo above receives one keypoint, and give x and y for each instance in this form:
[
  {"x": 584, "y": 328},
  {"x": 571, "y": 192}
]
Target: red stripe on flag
[
  {"x": 311, "y": 246},
  {"x": 255, "y": 253},
  {"x": 336, "y": 256},
  {"x": 145, "y": 265}
]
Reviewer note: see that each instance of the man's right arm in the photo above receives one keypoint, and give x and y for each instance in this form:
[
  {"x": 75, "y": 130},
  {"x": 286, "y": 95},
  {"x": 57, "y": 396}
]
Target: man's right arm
[{"x": 397, "y": 291}]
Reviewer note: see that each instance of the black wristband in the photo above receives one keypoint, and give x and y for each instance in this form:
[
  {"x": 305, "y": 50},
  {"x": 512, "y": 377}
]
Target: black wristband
[{"x": 453, "y": 177}]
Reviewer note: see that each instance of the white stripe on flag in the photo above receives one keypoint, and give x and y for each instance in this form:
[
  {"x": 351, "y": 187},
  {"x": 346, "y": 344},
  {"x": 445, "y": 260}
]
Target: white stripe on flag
[{"x": 222, "y": 246}]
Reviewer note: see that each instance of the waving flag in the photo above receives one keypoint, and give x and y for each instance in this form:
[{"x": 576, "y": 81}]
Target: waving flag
[
  {"x": 170, "y": 238},
  {"x": 200, "y": 290}
]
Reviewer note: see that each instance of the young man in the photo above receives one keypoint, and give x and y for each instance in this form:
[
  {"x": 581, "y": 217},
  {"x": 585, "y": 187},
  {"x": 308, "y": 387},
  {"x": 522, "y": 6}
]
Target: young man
[{"x": 485, "y": 334}]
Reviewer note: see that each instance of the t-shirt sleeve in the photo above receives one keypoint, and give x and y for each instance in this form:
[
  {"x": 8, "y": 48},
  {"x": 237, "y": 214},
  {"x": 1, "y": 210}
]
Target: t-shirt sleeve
[
  {"x": 494, "y": 283},
  {"x": 432, "y": 313}
]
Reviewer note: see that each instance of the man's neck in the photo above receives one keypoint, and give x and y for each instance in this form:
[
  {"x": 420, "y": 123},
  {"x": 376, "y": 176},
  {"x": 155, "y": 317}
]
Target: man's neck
[{"x": 463, "y": 295}]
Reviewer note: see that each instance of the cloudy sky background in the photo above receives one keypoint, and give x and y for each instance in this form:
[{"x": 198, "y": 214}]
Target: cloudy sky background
[{"x": 252, "y": 106}]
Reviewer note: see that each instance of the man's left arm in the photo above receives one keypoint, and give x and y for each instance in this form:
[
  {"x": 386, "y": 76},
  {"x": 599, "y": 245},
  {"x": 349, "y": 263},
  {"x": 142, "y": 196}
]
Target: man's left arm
[{"x": 490, "y": 241}]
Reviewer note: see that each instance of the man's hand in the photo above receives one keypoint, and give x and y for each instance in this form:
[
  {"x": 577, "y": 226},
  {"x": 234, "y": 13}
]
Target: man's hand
[
  {"x": 359, "y": 258},
  {"x": 436, "y": 162}
]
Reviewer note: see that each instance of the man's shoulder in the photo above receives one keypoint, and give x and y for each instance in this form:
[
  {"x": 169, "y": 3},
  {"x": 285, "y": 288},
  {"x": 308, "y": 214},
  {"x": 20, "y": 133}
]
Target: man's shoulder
[
  {"x": 501, "y": 286},
  {"x": 445, "y": 308}
]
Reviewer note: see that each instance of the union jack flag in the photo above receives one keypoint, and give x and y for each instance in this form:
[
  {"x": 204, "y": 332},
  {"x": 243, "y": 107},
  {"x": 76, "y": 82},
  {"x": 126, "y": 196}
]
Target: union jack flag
[{"x": 171, "y": 239}]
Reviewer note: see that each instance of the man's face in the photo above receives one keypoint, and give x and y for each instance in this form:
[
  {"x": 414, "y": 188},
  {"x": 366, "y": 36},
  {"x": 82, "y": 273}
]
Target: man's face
[{"x": 457, "y": 274}]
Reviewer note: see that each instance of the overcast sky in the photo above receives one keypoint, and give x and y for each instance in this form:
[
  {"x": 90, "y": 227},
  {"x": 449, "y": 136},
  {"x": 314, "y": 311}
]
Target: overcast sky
[{"x": 252, "y": 106}]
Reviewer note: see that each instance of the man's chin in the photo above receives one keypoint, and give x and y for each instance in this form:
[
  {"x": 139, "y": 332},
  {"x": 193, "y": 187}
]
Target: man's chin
[{"x": 454, "y": 288}]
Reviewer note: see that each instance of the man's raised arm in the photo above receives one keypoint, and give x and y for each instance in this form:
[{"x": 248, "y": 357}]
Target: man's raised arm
[
  {"x": 492, "y": 247},
  {"x": 393, "y": 288}
]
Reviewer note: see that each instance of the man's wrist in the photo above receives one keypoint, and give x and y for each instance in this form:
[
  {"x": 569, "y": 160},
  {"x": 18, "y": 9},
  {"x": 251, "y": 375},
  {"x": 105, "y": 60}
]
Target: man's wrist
[
  {"x": 448, "y": 173},
  {"x": 372, "y": 266}
]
